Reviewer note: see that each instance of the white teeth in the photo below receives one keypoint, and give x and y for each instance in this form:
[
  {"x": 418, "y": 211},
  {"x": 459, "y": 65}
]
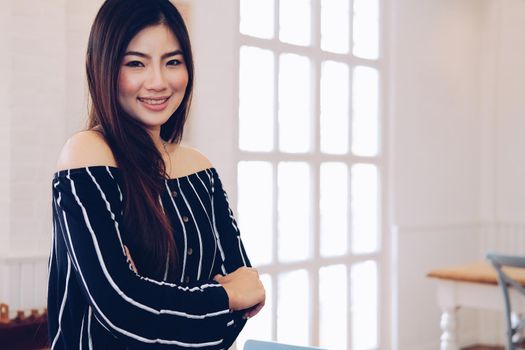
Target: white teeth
[{"x": 152, "y": 101}]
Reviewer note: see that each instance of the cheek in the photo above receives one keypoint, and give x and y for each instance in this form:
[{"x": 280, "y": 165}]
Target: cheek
[
  {"x": 180, "y": 80},
  {"x": 128, "y": 84}
]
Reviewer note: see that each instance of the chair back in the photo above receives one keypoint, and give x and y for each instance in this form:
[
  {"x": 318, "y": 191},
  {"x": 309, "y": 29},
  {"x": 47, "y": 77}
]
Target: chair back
[
  {"x": 514, "y": 327},
  {"x": 265, "y": 345}
]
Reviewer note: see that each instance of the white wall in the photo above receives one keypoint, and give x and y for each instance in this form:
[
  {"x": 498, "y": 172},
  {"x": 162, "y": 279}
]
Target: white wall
[
  {"x": 435, "y": 94},
  {"x": 504, "y": 194},
  {"x": 506, "y": 233},
  {"x": 510, "y": 128},
  {"x": 456, "y": 95},
  {"x": 211, "y": 125},
  {"x": 5, "y": 125},
  {"x": 5, "y": 139},
  {"x": 36, "y": 89}
]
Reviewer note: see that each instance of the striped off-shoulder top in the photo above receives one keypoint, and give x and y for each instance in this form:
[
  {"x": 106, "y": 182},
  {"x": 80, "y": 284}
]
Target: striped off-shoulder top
[{"x": 97, "y": 301}]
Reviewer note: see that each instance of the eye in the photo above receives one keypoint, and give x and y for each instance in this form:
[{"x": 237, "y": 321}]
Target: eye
[
  {"x": 134, "y": 64},
  {"x": 174, "y": 62}
]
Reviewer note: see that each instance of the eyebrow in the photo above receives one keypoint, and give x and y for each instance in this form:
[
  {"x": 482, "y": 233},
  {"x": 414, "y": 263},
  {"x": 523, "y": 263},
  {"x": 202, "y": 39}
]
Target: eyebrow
[{"x": 141, "y": 54}]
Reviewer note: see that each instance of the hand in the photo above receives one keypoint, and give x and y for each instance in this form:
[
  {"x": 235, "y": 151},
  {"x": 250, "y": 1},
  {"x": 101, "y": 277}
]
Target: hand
[
  {"x": 130, "y": 260},
  {"x": 244, "y": 289}
]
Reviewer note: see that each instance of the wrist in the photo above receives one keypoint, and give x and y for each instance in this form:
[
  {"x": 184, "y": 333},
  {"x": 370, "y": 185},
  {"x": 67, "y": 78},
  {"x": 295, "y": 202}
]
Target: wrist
[{"x": 231, "y": 297}]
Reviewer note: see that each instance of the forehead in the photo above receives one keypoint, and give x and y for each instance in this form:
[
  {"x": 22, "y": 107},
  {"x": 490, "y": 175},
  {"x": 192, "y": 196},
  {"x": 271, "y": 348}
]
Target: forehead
[{"x": 152, "y": 38}]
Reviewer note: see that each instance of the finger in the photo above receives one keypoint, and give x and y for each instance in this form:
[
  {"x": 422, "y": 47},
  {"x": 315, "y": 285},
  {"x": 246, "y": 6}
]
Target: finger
[
  {"x": 132, "y": 265},
  {"x": 218, "y": 277},
  {"x": 129, "y": 260},
  {"x": 226, "y": 278},
  {"x": 254, "y": 311}
]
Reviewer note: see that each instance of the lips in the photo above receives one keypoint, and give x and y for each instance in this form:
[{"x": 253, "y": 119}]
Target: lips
[
  {"x": 154, "y": 104},
  {"x": 153, "y": 100}
]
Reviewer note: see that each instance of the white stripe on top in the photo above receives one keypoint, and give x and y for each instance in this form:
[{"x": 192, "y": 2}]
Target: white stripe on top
[{"x": 90, "y": 340}]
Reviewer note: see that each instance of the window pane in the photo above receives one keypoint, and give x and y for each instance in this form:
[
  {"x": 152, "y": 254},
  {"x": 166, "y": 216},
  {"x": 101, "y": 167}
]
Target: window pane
[
  {"x": 364, "y": 305},
  {"x": 294, "y": 103},
  {"x": 256, "y": 102},
  {"x": 257, "y": 18},
  {"x": 334, "y": 107},
  {"x": 293, "y": 205},
  {"x": 365, "y": 208},
  {"x": 255, "y": 205},
  {"x": 333, "y": 307},
  {"x": 366, "y": 28},
  {"x": 334, "y": 208},
  {"x": 335, "y": 25},
  {"x": 295, "y": 21},
  {"x": 260, "y": 326},
  {"x": 365, "y": 123},
  {"x": 293, "y": 311}
]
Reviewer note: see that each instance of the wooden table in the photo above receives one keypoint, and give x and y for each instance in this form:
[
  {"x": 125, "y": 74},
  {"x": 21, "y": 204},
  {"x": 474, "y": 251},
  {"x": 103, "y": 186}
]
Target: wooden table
[
  {"x": 473, "y": 285},
  {"x": 23, "y": 332}
]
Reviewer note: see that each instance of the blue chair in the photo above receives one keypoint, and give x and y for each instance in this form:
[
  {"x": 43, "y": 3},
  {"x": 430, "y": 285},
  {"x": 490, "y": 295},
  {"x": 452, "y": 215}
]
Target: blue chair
[
  {"x": 515, "y": 340},
  {"x": 266, "y": 345}
]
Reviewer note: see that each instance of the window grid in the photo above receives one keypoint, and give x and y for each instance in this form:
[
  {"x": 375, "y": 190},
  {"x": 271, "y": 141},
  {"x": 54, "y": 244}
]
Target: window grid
[{"x": 315, "y": 158}]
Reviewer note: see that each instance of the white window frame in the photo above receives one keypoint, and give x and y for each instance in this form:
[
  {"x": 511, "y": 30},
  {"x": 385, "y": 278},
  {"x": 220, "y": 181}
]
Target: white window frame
[{"x": 385, "y": 260}]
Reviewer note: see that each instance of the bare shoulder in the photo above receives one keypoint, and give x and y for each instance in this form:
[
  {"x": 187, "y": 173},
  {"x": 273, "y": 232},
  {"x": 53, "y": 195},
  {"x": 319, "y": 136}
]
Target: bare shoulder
[
  {"x": 190, "y": 159},
  {"x": 85, "y": 148}
]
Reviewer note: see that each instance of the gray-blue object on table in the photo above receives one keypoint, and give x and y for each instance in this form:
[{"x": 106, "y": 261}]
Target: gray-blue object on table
[
  {"x": 514, "y": 329},
  {"x": 265, "y": 345}
]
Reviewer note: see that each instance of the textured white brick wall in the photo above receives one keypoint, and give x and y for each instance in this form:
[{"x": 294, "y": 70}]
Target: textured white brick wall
[
  {"x": 80, "y": 16},
  {"x": 46, "y": 102},
  {"x": 39, "y": 95},
  {"x": 5, "y": 124}
]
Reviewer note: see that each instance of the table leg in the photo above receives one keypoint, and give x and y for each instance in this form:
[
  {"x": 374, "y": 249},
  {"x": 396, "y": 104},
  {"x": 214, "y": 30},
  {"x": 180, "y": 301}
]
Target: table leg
[{"x": 448, "y": 327}]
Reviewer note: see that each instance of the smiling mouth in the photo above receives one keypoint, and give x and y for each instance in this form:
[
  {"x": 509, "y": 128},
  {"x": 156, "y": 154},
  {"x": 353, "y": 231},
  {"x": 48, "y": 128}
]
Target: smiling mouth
[{"x": 154, "y": 101}]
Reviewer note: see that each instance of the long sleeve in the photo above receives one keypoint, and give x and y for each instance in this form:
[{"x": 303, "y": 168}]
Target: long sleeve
[
  {"x": 143, "y": 313},
  {"x": 232, "y": 248},
  {"x": 230, "y": 245}
]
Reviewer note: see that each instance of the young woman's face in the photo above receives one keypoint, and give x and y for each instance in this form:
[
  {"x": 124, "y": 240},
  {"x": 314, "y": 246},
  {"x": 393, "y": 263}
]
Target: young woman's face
[{"x": 153, "y": 76}]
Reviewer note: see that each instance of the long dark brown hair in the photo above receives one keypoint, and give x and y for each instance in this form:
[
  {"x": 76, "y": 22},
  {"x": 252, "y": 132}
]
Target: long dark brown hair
[{"x": 148, "y": 230}]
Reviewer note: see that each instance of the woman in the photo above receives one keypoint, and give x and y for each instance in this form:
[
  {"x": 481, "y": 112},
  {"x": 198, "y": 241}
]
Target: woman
[{"x": 146, "y": 252}]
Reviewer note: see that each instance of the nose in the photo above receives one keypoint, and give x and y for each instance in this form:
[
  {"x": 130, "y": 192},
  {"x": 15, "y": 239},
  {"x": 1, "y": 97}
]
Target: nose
[{"x": 156, "y": 79}]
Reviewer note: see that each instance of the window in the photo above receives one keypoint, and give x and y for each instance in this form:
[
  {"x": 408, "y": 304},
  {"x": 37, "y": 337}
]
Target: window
[{"x": 310, "y": 168}]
